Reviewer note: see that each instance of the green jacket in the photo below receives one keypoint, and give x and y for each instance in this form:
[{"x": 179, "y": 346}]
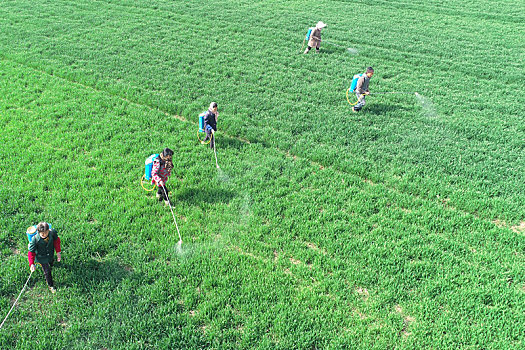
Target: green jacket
[{"x": 44, "y": 251}]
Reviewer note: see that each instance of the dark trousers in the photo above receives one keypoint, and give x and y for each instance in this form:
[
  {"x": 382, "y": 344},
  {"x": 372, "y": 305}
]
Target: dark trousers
[
  {"x": 162, "y": 194},
  {"x": 209, "y": 136},
  {"x": 47, "y": 273},
  {"x": 308, "y": 48}
]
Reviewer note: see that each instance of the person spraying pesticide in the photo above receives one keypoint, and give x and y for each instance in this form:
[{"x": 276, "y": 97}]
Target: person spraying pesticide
[
  {"x": 210, "y": 123},
  {"x": 160, "y": 172},
  {"x": 43, "y": 243},
  {"x": 361, "y": 89},
  {"x": 314, "y": 37}
]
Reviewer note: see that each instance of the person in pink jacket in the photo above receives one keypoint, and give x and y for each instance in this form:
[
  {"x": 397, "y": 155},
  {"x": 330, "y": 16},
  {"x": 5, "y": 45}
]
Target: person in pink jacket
[{"x": 161, "y": 171}]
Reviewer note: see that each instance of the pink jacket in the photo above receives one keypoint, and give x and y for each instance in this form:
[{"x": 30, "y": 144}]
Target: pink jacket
[{"x": 159, "y": 173}]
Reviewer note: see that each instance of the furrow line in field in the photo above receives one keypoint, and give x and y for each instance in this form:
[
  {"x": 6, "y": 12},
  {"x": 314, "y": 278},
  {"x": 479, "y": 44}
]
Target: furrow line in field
[
  {"x": 304, "y": 267},
  {"x": 466, "y": 67},
  {"x": 457, "y": 11},
  {"x": 286, "y": 153}
]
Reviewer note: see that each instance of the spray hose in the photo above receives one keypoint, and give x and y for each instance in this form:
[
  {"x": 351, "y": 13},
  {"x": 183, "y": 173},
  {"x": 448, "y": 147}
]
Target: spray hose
[
  {"x": 169, "y": 202},
  {"x": 302, "y": 45},
  {"x": 142, "y": 182},
  {"x": 203, "y": 141},
  {"x": 16, "y": 301},
  {"x": 348, "y": 99}
]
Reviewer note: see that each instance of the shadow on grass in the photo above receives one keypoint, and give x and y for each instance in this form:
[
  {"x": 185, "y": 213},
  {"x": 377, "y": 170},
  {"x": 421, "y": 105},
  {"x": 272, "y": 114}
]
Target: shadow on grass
[
  {"x": 382, "y": 108},
  {"x": 88, "y": 274},
  {"x": 227, "y": 142},
  {"x": 208, "y": 195}
]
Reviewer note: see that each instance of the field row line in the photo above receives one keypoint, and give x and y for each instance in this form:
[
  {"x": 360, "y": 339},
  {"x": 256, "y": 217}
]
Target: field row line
[
  {"x": 414, "y": 55},
  {"x": 288, "y": 154},
  {"x": 456, "y": 12}
]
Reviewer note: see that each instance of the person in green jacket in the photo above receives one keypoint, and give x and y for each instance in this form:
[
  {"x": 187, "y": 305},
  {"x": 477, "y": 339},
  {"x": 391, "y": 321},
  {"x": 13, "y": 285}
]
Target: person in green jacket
[{"x": 42, "y": 248}]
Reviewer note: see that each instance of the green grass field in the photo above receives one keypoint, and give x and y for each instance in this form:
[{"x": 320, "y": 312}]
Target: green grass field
[{"x": 402, "y": 226}]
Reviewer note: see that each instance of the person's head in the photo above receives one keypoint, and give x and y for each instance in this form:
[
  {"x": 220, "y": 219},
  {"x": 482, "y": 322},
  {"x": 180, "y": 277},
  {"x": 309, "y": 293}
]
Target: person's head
[
  {"x": 320, "y": 25},
  {"x": 43, "y": 229},
  {"x": 213, "y": 107},
  {"x": 369, "y": 72},
  {"x": 166, "y": 154}
]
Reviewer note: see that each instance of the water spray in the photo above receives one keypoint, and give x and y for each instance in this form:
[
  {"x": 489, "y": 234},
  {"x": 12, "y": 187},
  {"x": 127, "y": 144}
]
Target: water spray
[
  {"x": 16, "y": 301},
  {"x": 179, "y": 243}
]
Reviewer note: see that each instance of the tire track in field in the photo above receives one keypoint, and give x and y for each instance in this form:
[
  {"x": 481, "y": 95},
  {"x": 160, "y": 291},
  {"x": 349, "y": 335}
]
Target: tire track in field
[{"x": 288, "y": 154}]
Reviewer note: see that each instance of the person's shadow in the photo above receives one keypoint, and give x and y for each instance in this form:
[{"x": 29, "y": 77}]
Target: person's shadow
[
  {"x": 92, "y": 273},
  {"x": 230, "y": 142},
  {"x": 382, "y": 108}
]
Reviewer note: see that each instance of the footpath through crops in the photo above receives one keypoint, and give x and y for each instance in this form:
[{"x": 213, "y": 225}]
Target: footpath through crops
[{"x": 401, "y": 226}]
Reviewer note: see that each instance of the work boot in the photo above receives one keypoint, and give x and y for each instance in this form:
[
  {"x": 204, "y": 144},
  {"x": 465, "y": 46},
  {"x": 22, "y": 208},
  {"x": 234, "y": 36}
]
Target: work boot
[
  {"x": 355, "y": 110},
  {"x": 305, "y": 51},
  {"x": 159, "y": 196},
  {"x": 52, "y": 290},
  {"x": 167, "y": 203}
]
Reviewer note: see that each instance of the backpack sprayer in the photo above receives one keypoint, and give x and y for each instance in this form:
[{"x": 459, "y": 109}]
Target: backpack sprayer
[
  {"x": 351, "y": 89},
  {"x": 306, "y": 38},
  {"x": 145, "y": 181},
  {"x": 31, "y": 231},
  {"x": 201, "y": 129}
]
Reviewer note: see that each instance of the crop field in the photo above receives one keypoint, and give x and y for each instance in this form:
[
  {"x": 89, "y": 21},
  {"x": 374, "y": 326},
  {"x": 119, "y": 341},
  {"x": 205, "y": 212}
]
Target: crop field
[{"x": 401, "y": 226}]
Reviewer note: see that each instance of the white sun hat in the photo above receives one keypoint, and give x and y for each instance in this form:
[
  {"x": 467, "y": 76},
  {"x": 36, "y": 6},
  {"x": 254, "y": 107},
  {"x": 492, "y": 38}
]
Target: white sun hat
[{"x": 320, "y": 25}]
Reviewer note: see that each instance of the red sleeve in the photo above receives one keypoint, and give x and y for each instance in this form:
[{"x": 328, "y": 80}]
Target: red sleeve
[
  {"x": 56, "y": 243},
  {"x": 31, "y": 258}
]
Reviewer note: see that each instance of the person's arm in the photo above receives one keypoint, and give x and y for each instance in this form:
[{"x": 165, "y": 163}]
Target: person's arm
[
  {"x": 31, "y": 258},
  {"x": 31, "y": 254},
  {"x": 56, "y": 244}
]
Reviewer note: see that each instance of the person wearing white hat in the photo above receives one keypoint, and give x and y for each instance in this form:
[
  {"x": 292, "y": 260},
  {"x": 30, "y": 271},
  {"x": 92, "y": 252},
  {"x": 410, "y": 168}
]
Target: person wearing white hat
[{"x": 315, "y": 37}]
